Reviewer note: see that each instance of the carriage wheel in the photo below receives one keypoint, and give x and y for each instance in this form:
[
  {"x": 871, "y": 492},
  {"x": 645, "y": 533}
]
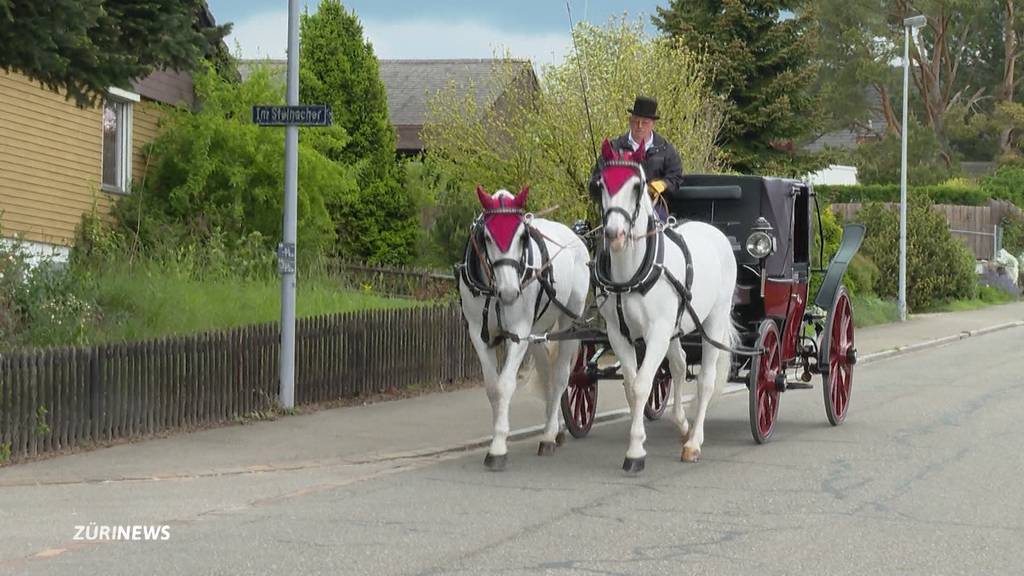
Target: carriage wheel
[
  {"x": 839, "y": 355},
  {"x": 764, "y": 393},
  {"x": 660, "y": 391},
  {"x": 579, "y": 401}
]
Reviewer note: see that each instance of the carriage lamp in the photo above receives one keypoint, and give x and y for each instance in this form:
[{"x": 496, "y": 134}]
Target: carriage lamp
[{"x": 760, "y": 243}]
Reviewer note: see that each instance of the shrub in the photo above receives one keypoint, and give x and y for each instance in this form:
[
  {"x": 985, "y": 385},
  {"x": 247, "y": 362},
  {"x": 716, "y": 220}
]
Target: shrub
[
  {"x": 833, "y": 233},
  {"x": 1013, "y": 235},
  {"x": 939, "y": 267},
  {"x": 861, "y": 276},
  {"x": 216, "y": 170},
  {"x": 1007, "y": 183},
  {"x": 42, "y": 302}
]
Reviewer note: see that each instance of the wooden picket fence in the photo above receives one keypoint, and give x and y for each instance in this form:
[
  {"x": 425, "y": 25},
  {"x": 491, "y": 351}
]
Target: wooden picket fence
[{"x": 60, "y": 398}]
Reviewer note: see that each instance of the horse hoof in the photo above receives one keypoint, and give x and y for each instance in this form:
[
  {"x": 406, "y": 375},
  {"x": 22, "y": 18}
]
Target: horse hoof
[
  {"x": 495, "y": 463},
  {"x": 560, "y": 438},
  {"x": 690, "y": 454},
  {"x": 633, "y": 465},
  {"x": 546, "y": 449}
]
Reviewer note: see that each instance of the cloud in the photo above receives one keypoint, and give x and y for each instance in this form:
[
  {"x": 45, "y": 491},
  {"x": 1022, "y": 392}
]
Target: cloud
[
  {"x": 262, "y": 35},
  {"x": 266, "y": 35}
]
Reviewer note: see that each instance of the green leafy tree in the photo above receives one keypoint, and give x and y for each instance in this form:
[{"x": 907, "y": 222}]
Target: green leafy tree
[
  {"x": 963, "y": 64},
  {"x": 879, "y": 162},
  {"x": 536, "y": 132},
  {"x": 379, "y": 222},
  {"x": 215, "y": 172},
  {"x": 85, "y": 46},
  {"x": 763, "y": 67}
]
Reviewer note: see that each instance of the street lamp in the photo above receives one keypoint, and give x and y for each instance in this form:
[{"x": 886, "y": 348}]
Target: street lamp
[{"x": 912, "y": 23}]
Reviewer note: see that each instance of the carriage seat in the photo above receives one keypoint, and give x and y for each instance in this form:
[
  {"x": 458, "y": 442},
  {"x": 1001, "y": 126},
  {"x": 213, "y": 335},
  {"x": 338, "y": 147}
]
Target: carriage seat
[{"x": 729, "y": 192}]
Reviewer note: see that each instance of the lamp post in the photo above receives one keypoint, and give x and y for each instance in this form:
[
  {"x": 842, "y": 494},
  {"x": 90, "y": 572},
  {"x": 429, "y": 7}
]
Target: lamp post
[{"x": 910, "y": 24}]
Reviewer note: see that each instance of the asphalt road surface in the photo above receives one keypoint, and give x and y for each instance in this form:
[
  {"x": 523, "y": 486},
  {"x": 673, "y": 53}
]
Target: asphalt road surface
[{"x": 925, "y": 477}]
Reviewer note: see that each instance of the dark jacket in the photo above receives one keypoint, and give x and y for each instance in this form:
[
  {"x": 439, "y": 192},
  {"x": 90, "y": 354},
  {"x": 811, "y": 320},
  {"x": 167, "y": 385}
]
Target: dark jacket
[{"x": 661, "y": 162}]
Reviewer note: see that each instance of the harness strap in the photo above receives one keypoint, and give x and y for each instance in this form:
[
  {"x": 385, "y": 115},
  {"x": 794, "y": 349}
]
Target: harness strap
[
  {"x": 544, "y": 276},
  {"x": 485, "y": 333},
  {"x": 623, "y": 327},
  {"x": 546, "y": 279},
  {"x": 685, "y": 296}
]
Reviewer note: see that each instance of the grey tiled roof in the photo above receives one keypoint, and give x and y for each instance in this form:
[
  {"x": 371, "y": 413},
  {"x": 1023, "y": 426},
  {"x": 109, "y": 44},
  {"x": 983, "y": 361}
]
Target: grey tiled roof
[
  {"x": 411, "y": 83},
  {"x": 846, "y": 139}
]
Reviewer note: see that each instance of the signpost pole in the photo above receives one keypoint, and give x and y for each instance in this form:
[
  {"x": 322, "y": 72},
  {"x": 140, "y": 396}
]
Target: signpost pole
[{"x": 286, "y": 252}]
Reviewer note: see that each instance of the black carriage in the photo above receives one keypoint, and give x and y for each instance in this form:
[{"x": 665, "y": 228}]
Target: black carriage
[{"x": 774, "y": 225}]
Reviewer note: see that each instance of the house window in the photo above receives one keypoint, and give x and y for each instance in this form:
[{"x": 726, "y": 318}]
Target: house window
[{"x": 117, "y": 140}]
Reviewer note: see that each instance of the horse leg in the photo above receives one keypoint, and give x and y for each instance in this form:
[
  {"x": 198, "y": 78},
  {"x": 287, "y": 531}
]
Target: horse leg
[
  {"x": 657, "y": 341},
  {"x": 489, "y": 367},
  {"x": 539, "y": 383},
  {"x": 677, "y": 365},
  {"x": 717, "y": 327},
  {"x": 504, "y": 387}
]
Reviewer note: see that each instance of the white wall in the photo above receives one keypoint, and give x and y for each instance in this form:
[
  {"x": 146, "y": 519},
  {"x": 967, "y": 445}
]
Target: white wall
[
  {"x": 38, "y": 251},
  {"x": 834, "y": 175}
]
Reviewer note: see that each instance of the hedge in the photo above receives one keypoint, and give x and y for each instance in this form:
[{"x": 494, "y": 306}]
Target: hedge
[{"x": 939, "y": 193}]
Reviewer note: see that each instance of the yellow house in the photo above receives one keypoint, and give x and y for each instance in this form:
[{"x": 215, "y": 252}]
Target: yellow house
[{"x": 58, "y": 161}]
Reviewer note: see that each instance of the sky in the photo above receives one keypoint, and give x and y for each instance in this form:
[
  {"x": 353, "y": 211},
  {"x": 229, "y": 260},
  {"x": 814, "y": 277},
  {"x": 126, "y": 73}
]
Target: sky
[{"x": 406, "y": 29}]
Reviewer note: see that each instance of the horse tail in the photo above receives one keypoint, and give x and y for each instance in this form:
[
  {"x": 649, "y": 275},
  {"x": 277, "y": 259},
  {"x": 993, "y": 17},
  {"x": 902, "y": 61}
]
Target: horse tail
[{"x": 533, "y": 378}]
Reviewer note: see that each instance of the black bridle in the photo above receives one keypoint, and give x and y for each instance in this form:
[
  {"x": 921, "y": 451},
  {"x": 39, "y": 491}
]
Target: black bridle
[
  {"x": 638, "y": 191},
  {"x": 523, "y": 265}
]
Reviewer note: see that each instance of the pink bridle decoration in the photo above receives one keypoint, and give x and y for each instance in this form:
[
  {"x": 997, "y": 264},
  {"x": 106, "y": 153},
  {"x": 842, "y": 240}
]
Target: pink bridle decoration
[
  {"x": 503, "y": 215},
  {"x": 616, "y": 176}
]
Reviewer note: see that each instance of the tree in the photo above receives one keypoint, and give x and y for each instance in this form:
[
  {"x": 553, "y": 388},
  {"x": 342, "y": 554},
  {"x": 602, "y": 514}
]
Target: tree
[
  {"x": 86, "y": 46},
  {"x": 763, "y": 68},
  {"x": 963, "y": 69},
  {"x": 854, "y": 52},
  {"x": 379, "y": 222},
  {"x": 538, "y": 134},
  {"x": 214, "y": 170}
]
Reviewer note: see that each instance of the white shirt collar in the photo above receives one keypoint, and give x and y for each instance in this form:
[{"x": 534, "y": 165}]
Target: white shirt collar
[{"x": 647, "y": 144}]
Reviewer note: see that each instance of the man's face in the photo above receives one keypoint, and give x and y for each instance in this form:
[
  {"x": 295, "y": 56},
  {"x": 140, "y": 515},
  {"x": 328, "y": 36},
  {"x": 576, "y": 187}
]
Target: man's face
[{"x": 640, "y": 128}]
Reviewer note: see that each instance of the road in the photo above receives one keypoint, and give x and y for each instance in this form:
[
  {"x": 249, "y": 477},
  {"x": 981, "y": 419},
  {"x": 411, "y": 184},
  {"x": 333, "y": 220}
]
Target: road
[{"x": 925, "y": 477}]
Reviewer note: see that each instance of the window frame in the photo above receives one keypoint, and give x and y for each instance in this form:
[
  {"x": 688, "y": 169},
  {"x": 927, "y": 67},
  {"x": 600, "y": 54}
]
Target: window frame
[{"x": 125, "y": 100}]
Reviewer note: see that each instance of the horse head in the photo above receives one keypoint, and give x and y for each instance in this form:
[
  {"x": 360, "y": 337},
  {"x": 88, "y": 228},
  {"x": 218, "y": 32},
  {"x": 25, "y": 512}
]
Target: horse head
[
  {"x": 624, "y": 199},
  {"x": 505, "y": 239}
]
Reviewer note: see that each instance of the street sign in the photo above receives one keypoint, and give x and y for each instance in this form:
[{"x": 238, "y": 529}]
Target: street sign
[
  {"x": 286, "y": 258},
  {"x": 299, "y": 115}
]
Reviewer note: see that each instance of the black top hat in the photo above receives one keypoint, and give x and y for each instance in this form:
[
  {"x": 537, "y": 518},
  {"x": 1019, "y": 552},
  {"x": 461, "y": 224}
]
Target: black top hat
[{"x": 645, "y": 107}]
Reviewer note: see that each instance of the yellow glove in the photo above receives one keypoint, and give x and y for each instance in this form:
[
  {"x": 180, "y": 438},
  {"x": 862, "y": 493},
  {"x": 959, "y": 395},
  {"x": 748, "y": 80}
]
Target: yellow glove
[{"x": 656, "y": 187}]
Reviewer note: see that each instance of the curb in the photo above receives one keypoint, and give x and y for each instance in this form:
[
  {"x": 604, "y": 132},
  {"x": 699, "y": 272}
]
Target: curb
[
  {"x": 622, "y": 413},
  {"x": 901, "y": 350}
]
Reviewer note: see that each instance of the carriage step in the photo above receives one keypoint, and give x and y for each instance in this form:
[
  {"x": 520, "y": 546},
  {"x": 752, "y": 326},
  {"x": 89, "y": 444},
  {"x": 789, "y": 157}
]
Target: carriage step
[{"x": 799, "y": 385}]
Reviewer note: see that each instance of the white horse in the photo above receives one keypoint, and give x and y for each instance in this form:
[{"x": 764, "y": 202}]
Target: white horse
[
  {"x": 645, "y": 300},
  {"x": 521, "y": 276}
]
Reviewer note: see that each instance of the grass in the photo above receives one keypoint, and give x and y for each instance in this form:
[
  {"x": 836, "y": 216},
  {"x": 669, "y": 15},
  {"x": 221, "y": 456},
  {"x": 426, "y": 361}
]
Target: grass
[
  {"x": 987, "y": 296},
  {"x": 150, "y": 303},
  {"x": 872, "y": 310}
]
